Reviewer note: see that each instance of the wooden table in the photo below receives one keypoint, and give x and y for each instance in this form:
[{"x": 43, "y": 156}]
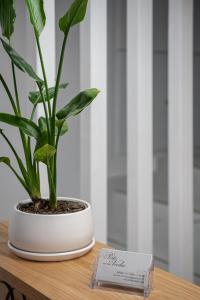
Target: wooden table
[{"x": 69, "y": 280}]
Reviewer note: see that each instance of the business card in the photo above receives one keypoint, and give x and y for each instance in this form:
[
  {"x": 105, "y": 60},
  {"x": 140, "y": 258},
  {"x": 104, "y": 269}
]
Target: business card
[{"x": 124, "y": 268}]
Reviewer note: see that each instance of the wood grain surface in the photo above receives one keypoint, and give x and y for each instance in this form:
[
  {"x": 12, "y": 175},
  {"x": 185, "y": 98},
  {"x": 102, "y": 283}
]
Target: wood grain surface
[{"x": 69, "y": 280}]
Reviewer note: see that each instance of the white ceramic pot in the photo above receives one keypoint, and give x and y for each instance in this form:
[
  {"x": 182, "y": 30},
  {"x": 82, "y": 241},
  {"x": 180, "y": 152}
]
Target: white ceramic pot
[{"x": 51, "y": 233}]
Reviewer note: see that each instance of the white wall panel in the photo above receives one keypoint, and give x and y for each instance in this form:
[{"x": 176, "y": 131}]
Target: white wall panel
[
  {"x": 93, "y": 62},
  {"x": 180, "y": 129},
  {"x": 139, "y": 125}
]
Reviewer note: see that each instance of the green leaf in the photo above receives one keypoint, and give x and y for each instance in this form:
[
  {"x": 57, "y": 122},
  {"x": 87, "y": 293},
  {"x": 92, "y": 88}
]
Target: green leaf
[
  {"x": 45, "y": 153},
  {"x": 37, "y": 15},
  {"x": 77, "y": 104},
  {"x": 59, "y": 124},
  {"x": 27, "y": 126},
  {"x": 62, "y": 126},
  {"x": 7, "y": 17},
  {"x": 74, "y": 15},
  {"x": 20, "y": 62},
  {"x": 42, "y": 140},
  {"x": 5, "y": 160},
  {"x": 42, "y": 124},
  {"x": 35, "y": 97}
]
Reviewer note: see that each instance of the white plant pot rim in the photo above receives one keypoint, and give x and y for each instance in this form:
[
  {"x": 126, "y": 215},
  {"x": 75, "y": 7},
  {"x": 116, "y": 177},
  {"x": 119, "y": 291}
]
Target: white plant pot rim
[{"x": 28, "y": 200}]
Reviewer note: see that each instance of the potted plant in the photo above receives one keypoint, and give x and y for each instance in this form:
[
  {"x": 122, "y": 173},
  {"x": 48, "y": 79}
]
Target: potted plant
[{"x": 54, "y": 228}]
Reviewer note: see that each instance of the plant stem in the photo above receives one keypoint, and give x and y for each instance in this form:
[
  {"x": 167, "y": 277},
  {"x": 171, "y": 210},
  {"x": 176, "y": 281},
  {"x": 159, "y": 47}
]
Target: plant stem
[
  {"x": 15, "y": 87},
  {"x": 53, "y": 119},
  {"x": 57, "y": 87},
  {"x": 9, "y": 94},
  {"x": 27, "y": 151},
  {"x": 34, "y": 109},
  {"x": 46, "y": 113},
  {"x": 52, "y": 190},
  {"x": 37, "y": 177},
  {"x": 44, "y": 73},
  {"x": 55, "y": 157},
  {"x": 38, "y": 174}
]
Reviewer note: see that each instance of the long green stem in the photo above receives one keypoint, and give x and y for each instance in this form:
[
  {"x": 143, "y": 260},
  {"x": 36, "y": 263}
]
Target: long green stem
[
  {"x": 37, "y": 179},
  {"x": 38, "y": 174},
  {"x": 44, "y": 73},
  {"x": 29, "y": 141},
  {"x": 27, "y": 152},
  {"x": 57, "y": 87},
  {"x": 46, "y": 113},
  {"x": 32, "y": 116},
  {"x": 52, "y": 189},
  {"x": 53, "y": 119},
  {"x": 15, "y": 87},
  {"x": 48, "y": 117},
  {"x": 15, "y": 111},
  {"x": 35, "y": 186},
  {"x": 55, "y": 157},
  {"x": 9, "y": 94}
]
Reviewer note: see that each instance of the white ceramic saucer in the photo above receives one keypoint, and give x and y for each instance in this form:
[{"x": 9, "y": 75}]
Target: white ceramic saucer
[{"x": 51, "y": 256}]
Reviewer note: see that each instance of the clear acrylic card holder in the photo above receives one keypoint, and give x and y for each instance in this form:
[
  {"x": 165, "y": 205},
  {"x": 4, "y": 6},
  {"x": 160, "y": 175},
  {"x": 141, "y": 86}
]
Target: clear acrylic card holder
[{"x": 123, "y": 271}]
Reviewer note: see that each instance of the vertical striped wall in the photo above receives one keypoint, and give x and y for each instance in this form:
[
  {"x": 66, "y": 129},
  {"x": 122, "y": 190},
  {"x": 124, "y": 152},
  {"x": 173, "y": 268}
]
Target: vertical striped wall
[
  {"x": 139, "y": 125},
  {"x": 180, "y": 137},
  {"x": 93, "y": 131},
  {"x": 93, "y": 73}
]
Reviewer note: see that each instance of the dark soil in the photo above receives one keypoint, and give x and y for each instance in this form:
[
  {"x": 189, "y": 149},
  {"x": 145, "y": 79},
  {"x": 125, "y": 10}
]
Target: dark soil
[{"x": 42, "y": 207}]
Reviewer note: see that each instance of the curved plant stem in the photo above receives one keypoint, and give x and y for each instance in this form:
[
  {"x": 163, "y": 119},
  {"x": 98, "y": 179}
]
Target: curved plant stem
[
  {"x": 32, "y": 116},
  {"x": 57, "y": 87},
  {"x": 29, "y": 138},
  {"x": 34, "y": 109},
  {"x": 53, "y": 119},
  {"x": 9, "y": 94},
  {"x": 44, "y": 74},
  {"x": 46, "y": 113},
  {"x": 27, "y": 152},
  {"x": 15, "y": 87},
  {"x": 25, "y": 144}
]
